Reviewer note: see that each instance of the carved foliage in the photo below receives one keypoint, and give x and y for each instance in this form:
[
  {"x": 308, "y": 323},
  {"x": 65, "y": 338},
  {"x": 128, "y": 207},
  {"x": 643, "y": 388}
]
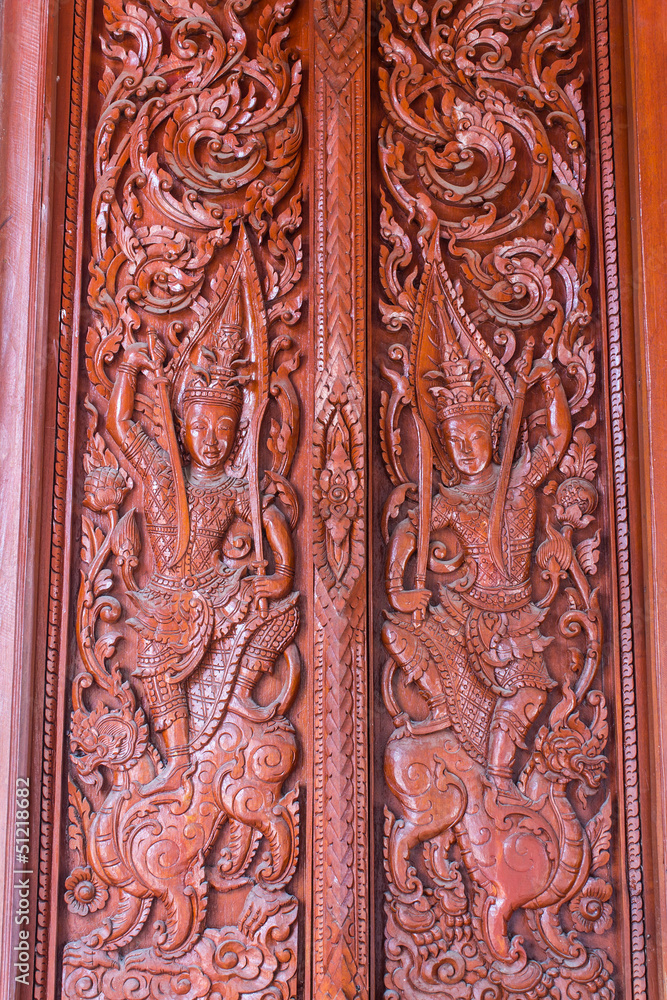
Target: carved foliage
[
  {"x": 482, "y": 151},
  {"x": 178, "y": 770},
  {"x": 340, "y": 865},
  {"x": 339, "y": 493}
]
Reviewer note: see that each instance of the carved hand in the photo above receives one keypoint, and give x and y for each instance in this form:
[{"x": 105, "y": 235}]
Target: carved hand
[
  {"x": 541, "y": 370},
  {"x": 409, "y": 600},
  {"x": 138, "y": 356},
  {"x": 258, "y": 587}
]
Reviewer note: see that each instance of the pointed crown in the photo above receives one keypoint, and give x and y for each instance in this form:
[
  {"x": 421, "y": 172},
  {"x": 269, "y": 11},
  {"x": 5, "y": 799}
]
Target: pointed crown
[
  {"x": 463, "y": 389},
  {"x": 216, "y": 379}
]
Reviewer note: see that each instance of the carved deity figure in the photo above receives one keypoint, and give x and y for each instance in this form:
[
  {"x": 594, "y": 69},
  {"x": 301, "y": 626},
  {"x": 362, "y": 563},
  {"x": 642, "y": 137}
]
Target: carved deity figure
[
  {"x": 197, "y": 770},
  {"x": 192, "y": 599},
  {"x": 488, "y": 679},
  {"x": 473, "y": 649}
]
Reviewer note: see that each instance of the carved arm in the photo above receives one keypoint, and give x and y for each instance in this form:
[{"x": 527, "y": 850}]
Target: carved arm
[
  {"x": 559, "y": 418},
  {"x": 402, "y": 546},
  {"x": 279, "y": 583},
  {"x": 121, "y": 403}
]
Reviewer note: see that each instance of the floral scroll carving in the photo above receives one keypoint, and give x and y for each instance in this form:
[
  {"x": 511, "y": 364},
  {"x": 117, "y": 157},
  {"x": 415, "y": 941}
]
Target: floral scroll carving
[
  {"x": 497, "y": 765},
  {"x": 182, "y": 800},
  {"x": 339, "y": 493}
]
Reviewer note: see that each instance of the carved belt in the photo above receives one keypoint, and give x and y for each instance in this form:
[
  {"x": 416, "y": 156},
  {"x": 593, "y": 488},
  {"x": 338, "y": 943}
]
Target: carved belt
[
  {"x": 191, "y": 582},
  {"x": 508, "y": 599}
]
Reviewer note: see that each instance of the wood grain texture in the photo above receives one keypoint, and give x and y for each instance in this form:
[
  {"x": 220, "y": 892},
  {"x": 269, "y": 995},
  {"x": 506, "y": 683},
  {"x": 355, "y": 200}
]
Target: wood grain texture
[
  {"x": 340, "y": 959},
  {"x": 647, "y": 33}
]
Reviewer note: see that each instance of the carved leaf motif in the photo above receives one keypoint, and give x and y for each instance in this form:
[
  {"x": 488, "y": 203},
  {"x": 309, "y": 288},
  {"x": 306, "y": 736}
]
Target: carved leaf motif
[
  {"x": 598, "y": 831},
  {"x": 588, "y": 553},
  {"x": 579, "y": 459},
  {"x": 79, "y": 815}
]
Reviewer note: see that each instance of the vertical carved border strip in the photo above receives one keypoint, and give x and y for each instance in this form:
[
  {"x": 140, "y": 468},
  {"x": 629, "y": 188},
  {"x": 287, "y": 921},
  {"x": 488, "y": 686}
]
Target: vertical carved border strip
[
  {"x": 619, "y": 449},
  {"x": 340, "y": 964},
  {"x": 44, "y": 968}
]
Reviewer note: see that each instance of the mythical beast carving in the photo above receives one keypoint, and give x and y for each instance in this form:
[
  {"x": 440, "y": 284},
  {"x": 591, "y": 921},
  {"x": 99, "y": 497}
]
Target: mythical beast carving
[
  {"x": 475, "y": 652},
  {"x": 216, "y": 614}
]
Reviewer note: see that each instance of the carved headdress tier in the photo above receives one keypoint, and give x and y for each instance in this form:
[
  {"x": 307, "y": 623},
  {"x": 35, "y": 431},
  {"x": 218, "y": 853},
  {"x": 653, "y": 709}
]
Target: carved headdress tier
[
  {"x": 465, "y": 388},
  {"x": 215, "y": 378},
  {"x": 451, "y": 368}
]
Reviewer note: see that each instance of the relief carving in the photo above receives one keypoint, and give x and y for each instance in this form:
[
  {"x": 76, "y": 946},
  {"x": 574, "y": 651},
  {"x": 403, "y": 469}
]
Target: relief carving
[
  {"x": 182, "y": 772},
  {"x": 341, "y": 877},
  {"x": 497, "y": 764}
]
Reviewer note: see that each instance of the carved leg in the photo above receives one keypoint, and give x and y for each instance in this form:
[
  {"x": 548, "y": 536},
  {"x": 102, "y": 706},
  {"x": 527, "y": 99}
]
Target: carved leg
[
  {"x": 403, "y": 837},
  {"x": 279, "y": 826},
  {"x": 494, "y": 923},
  {"x": 511, "y": 720},
  {"x": 186, "y": 909},
  {"x": 546, "y": 923},
  {"x": 124, "y": 924},
  {"x": 412, "y": 656},
  {"x": 235, "y": 859},
  {"x": 175, "y": 735}
]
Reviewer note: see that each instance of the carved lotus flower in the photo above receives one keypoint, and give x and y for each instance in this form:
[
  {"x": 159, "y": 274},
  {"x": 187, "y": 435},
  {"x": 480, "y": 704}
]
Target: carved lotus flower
[
  {"x": 339, "y": 484},
  {"x": 576, "y": 499},
  {"x": 84, "y": 892},
  {"x": 556, "y": 548},
  {"x": 591, "y": 909},
  {"x": 105, "y": 489}
]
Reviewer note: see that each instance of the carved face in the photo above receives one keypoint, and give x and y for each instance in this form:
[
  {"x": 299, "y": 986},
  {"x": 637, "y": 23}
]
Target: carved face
[
  {"x": 209, "y": 432},
  {"x": 469, "y": 444}
]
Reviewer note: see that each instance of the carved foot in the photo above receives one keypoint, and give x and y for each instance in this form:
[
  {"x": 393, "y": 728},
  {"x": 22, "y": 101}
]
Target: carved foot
[
  {"x": 259, "y": 906},
  {"x": 169, "y": 779},
  {"x": 525, "y": 979},
  {"x": 83, "y": 955},
  {"x": 507, "y": 793}
]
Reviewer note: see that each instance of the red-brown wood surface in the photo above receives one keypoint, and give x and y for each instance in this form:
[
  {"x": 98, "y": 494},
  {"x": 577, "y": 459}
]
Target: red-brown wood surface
[
  {"x": 498, "y": 268},
  {"x": 297, "y": 258},
  {"x": 647, "y": 36}
]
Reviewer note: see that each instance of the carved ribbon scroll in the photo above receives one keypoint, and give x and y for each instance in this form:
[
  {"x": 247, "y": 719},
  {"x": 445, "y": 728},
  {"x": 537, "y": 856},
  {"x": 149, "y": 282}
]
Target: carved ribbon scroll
[
  {"x": 498, "y": 826},
  {"x": 183, "y": 814}
]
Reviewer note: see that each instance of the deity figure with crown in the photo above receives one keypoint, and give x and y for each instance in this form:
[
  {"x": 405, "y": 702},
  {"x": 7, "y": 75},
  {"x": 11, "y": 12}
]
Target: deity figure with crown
[
  {"x": 197, "y": 769},
  {"x": 193, "y": 598},
  {"x": 466, "y": 675},
  {"x": 489, "y": 680}
]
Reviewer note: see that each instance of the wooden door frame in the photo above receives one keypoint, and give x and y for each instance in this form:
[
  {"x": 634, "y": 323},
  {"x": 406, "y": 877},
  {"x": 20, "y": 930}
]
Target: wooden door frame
[
  {"x": 32, "y": 174},
  {"x": 644, "y": 290},
  {"x": 28, "y": 40}
]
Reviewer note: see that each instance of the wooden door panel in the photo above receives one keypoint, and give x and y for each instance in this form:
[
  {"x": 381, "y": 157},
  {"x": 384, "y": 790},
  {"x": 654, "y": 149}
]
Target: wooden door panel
[
  {"x": 506, "y": 774},
  {"x": 187, "y": 739},
  {"x": 340, "y": 681}
]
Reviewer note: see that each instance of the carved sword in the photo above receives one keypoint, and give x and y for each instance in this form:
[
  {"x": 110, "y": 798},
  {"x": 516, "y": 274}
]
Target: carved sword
[
  {"x": 500, "y": 495},
  {"x": 425, "y": 504},
  {"x": 259, "y": 563},
  {"x": 182, "y": 511}
]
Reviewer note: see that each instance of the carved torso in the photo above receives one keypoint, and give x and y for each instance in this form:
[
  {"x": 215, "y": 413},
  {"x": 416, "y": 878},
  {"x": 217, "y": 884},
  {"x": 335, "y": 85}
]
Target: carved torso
[
  {"x": 466, "y": 509},
  {"x": 213, "y": 508}
]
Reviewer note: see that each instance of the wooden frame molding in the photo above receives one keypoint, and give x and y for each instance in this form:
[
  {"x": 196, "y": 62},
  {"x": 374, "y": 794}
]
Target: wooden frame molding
[
  {"x": 27, "y": 104},
  {"x": 646, "y": 65},
  {"x": 341, "y": 939},
  {"x": 273, "y": 623}
]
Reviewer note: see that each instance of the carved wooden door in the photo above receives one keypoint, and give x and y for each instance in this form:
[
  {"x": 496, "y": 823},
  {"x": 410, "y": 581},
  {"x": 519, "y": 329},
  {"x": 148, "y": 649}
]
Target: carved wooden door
[{"x": 339, "y": 686}]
